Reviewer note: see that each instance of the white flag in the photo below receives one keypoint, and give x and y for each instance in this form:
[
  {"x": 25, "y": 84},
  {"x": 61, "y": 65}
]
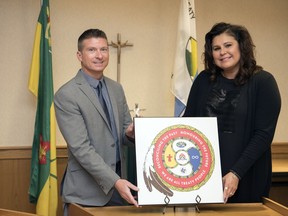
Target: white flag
[{"x": 185, "y": 64}]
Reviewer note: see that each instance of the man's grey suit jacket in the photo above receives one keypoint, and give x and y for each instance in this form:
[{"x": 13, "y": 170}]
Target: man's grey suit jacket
[{"x": 90, "y": 175}]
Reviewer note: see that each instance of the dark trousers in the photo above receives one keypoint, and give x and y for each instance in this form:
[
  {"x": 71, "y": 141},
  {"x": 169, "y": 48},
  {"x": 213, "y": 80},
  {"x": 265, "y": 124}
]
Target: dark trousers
[{"x": 116, "y": 199}]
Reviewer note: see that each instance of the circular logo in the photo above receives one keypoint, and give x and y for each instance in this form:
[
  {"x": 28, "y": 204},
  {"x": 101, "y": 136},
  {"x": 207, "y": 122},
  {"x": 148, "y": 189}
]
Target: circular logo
[{"x": 183, "y": 157}]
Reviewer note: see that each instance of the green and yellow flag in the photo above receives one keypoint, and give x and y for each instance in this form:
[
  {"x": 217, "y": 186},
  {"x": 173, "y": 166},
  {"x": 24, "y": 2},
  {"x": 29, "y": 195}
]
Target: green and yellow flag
[{"x": 43, "y": 178}]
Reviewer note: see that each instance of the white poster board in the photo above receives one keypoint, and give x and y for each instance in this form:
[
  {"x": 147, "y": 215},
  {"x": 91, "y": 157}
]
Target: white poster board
[{"x": 178, "y": 161}]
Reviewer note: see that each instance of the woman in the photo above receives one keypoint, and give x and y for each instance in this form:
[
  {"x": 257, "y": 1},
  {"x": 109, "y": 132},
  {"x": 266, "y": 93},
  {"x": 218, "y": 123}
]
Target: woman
[{"x": 246, "y": 101}]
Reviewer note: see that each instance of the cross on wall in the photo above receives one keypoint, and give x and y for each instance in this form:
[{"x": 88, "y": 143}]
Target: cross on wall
[{"x": 119, "y": 45}]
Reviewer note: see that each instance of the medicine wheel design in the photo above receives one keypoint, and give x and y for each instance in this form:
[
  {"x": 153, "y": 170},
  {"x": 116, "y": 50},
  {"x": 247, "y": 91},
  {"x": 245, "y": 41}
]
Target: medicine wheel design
[{"x": 180, "y": 158}]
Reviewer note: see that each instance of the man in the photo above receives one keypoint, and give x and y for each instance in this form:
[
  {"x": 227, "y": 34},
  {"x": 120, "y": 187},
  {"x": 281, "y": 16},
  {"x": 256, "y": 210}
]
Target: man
[{"x": 95, "y": 124}]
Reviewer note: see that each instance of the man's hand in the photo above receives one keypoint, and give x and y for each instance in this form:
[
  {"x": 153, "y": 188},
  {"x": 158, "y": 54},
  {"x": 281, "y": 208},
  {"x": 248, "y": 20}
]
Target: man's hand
[
  {"x": 230, "y": 183},
  {"x": 123, "y": 187},
  {"x": 130, "y": 132}
]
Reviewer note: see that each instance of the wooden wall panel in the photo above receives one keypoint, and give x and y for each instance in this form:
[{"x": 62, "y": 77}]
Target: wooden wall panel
[
  {"x": 15, "y": 178},
  {"x": 14, "y": 185},
  {"x": 280, "y": 150}
]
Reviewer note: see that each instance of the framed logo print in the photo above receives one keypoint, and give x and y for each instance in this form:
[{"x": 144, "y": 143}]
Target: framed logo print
[{"x": 178, "y": 161}]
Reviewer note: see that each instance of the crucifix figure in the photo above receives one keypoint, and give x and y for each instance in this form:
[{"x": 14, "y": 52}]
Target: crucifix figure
[{"x": 119, "y": 45}]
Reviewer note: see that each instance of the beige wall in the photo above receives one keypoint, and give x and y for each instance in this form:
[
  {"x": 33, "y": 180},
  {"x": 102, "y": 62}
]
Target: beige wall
[{"x": 145, "y": 68}]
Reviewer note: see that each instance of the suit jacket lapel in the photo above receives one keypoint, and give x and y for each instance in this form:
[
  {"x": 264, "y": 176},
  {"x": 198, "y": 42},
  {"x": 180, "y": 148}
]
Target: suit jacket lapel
[{"x": 89, "y": 92}]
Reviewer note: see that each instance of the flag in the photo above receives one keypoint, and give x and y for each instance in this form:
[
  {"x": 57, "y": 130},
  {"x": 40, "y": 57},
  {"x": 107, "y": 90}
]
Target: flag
[
  {"x": 43, "y": 177},
  {"x": 185, "y": 63}
]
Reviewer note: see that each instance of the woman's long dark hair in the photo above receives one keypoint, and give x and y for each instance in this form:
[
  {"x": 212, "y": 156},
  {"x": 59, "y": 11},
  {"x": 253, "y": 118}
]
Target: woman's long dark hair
[{"x": 248, "y": 64}]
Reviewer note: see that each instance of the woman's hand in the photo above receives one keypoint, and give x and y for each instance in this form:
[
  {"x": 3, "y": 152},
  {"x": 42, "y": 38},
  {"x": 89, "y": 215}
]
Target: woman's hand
[{"x": 230, "y": 183}]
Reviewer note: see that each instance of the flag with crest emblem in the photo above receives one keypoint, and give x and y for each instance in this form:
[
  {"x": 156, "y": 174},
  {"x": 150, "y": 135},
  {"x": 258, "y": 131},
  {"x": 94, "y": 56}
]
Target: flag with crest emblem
[{"x": 43, "y": 177}]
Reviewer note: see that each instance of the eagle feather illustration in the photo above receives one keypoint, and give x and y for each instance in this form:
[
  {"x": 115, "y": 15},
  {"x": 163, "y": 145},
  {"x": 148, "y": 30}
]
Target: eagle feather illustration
[{"x": 150, "y": 176}]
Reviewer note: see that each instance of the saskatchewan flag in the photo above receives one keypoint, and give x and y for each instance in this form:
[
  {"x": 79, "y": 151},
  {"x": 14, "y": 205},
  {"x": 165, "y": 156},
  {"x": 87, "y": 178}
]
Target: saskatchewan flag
[
  {"x": 43, "y": 177},
  {"x": 185, "y": 64}
]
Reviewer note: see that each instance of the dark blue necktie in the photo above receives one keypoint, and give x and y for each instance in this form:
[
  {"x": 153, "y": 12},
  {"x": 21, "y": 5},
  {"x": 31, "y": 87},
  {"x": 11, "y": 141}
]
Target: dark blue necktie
[
  {"x": 110, "y": 119},
  {"x": 102, "y": 101}
]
